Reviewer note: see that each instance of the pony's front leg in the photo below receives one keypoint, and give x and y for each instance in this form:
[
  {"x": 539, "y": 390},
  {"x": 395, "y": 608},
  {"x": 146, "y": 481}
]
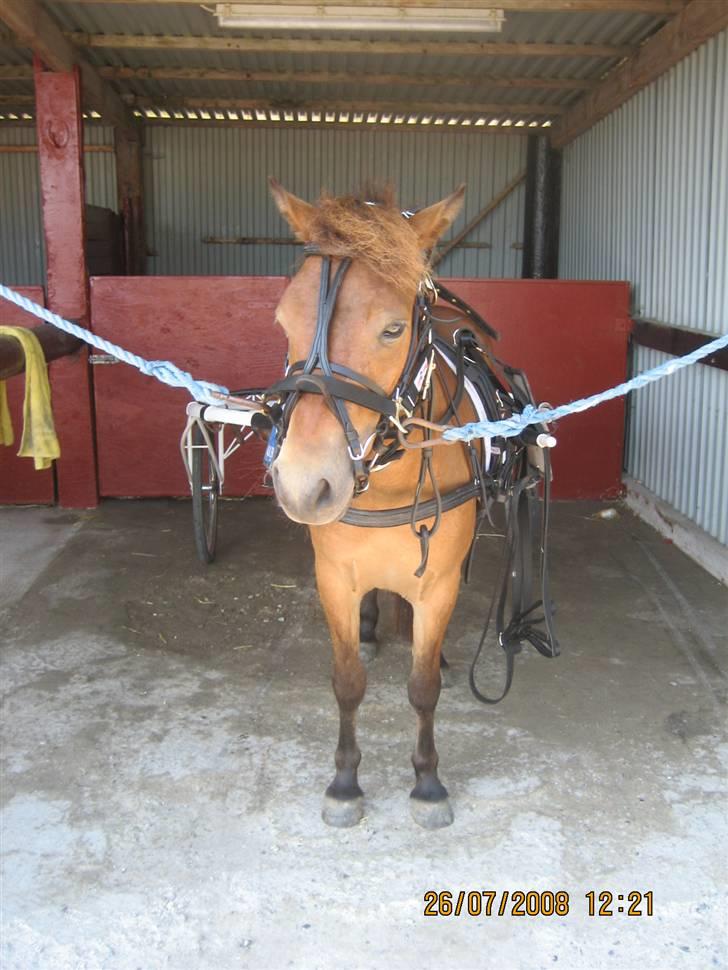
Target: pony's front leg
[
  {"x": 343, "y": 802},
  {"x": 429, "y": 800}
]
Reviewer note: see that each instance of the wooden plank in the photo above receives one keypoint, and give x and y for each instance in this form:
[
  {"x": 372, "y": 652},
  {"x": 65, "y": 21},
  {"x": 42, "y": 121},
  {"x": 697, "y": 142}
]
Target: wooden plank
[
  {"x": 341, "y": 77},
  {"x": 697, "y": 22},
  {"x": 485, "y": 211},
  {"x": 433, "y": 48},
  {"x": 16, "y": 72},
  {"x": 35, "y": 28},
  {"x": 663, "y": 7},
  {"x": 397, "y": 107},
  {"x": 677, "y": 341},
  {"x": 59, "y": 127}
]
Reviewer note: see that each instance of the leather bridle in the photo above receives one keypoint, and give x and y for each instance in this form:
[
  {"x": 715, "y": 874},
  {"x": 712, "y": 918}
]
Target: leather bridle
[{"x": 338, "y": 384}]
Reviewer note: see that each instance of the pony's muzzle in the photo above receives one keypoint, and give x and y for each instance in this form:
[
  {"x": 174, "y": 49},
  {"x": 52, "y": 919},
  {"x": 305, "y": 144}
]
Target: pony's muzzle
[{"x": 309, "y": 496}]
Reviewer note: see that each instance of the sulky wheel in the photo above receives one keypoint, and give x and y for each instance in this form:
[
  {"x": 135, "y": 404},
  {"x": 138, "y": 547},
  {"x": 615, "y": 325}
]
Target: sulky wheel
[{"x": 205, "y": 494}]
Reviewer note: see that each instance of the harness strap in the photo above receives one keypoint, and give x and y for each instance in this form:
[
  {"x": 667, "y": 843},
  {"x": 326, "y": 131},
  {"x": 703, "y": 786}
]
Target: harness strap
[
  {"x": 317, "y": 383},
  {"x": 388, "y": 518}
]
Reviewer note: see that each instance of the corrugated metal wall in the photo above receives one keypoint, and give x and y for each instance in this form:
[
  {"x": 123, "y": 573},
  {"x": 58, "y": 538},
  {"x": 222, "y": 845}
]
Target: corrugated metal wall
[
  {"x": 21, "y": 232},
  {"x": 645, "y": 199},
  {"x": 203, "y": 182},
  {"x": 213, "y": 182},
  {"x": 22, "y": 256}
]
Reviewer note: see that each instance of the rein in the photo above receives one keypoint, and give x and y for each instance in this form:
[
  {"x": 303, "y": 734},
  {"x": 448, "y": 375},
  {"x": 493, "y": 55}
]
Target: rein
[{"x": 508, "y": 472}]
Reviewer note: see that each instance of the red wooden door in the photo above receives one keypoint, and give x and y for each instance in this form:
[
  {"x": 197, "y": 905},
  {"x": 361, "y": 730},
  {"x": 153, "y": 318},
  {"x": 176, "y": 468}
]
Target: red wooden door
[{"x": 570, "y": 338}]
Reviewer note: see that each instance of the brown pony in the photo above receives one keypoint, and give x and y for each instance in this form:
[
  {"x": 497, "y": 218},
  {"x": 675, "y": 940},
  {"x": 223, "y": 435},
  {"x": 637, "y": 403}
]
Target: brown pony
[{"x": 313, "y": 476}]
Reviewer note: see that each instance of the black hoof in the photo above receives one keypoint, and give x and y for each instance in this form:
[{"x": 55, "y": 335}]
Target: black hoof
[
  {"x": 342, "y": 814},
  {"x": 432, "y": 815}
]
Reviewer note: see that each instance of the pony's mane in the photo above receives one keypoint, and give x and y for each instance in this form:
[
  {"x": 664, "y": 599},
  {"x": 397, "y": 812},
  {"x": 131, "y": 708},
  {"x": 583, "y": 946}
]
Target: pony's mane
[{"x": 378, "y": 234}]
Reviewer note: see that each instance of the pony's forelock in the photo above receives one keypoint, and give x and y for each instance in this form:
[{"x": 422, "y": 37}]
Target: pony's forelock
[{"x": 369, "y": 226}]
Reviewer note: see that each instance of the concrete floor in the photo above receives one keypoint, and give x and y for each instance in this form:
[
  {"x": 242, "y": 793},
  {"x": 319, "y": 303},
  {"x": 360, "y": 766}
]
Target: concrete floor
[{"x": 169, "y": 732}]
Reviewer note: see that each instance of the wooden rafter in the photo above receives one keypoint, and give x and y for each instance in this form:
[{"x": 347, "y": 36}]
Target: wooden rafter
[
  {"x": 16, "y": 72},
  {"x": 338, "y": 77},
  {"x": 697, "y": 22},
  {"x": 434, "y": 47},
  {"x": 36, "y": 29},
  {"x": 390, "y": 107},
  {"x": 664, "y": 7}
]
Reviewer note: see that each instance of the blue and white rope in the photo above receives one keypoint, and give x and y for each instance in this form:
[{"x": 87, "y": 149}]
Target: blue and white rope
[
  {"x": 169, "y": 373},
  {"x": 510, "y": 427},
  {"x": 163, "y": 370}
]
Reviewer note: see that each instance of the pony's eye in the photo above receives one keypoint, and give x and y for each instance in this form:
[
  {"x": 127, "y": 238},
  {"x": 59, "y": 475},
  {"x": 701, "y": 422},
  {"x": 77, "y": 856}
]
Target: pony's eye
[{"x": 393, "y": 331}]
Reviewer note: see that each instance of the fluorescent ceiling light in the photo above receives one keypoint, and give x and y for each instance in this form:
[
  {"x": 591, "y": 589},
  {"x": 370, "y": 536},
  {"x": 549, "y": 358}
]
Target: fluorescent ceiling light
[{"x": 327, "y": 16}]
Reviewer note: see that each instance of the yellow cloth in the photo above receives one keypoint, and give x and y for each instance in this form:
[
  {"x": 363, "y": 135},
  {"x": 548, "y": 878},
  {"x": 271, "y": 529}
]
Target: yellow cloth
[{"x": 39, "y": 439}]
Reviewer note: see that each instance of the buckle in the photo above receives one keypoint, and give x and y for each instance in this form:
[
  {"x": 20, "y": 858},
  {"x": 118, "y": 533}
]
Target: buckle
[{"x": 401, "y": 412}]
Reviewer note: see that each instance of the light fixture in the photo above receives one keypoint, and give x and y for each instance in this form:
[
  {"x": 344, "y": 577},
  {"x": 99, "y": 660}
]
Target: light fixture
[{"x": 334, "y": 16}]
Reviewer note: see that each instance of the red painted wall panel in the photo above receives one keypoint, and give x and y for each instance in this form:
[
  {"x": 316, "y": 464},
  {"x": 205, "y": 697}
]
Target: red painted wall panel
[
  {"x": 20, "y": 483},
  {"x": 219, "y": 329},
  {"x": 570, "y": 337}
]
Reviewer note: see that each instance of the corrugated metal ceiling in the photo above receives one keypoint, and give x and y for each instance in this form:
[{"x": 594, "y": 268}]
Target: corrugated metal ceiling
[{"x": 476, "y": 90}]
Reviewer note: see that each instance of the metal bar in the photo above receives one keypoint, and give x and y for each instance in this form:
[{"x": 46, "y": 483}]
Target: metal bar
[{"x": 676, "y": 341}]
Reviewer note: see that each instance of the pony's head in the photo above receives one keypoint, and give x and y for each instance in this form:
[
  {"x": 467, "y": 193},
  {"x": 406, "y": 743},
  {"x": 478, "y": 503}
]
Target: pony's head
[{"x": 369, "y": 332}]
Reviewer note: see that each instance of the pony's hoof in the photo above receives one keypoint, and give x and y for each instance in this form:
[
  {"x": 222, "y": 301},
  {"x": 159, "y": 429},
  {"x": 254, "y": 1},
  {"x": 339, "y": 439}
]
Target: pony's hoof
[
  {"x": 367, "y": 651},
  {"x": 432, "y": 815},
  {"x": 342, "y": 813}
]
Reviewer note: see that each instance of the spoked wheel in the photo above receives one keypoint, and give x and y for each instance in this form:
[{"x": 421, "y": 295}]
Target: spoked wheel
[{"x": 205, "y": 494}]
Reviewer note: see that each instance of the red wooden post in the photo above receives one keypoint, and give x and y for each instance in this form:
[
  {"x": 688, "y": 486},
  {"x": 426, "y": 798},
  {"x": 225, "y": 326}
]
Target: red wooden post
[{"x": 60, "y": 154}]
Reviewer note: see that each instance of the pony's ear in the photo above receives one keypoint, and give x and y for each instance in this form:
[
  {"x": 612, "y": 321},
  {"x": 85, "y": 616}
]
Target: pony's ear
[
  {"x": 297, "y": 213},
  {"x": 430, "y": 223}
]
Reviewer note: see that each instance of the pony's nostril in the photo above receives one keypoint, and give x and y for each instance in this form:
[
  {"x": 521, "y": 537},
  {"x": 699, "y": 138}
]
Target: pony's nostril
[{"x": 323, "y": 494}]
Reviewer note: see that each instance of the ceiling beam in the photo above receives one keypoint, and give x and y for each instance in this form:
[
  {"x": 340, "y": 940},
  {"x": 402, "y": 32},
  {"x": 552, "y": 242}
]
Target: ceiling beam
[
  {"x": 16, "y": 72},
  {"x": 663, "y": 7},
  {"x": 390, "y": 107},
  {"x": 326, "y": 77},
  {"x": 251, "y": 45},
  {"x": 36, "y": 29},
  {"x": 697, "y": 22}
]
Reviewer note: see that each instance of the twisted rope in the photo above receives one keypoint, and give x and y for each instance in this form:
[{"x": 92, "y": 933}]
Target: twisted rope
[
  {"x": 511, "y": 427},
  {"x": 168, "y": 373},
  {"x": 164, "y": 370}
]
